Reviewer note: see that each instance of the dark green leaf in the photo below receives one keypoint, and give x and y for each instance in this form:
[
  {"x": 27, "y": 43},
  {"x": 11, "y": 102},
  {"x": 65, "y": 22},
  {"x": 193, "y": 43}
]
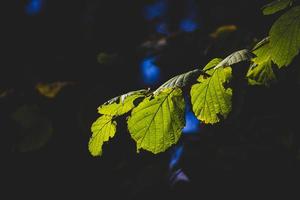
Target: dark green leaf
[
  {"x": 276, "y": 6},
  {"x": 285, "y": 37}
]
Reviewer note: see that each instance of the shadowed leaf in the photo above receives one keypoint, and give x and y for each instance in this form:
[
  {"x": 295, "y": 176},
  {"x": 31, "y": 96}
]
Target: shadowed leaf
[
  {"x": 276, "y": 6},
  {"x": 36, "y": 130},
  {"x": 236, "y": 57},
  {"x": 180, "y": 80}
]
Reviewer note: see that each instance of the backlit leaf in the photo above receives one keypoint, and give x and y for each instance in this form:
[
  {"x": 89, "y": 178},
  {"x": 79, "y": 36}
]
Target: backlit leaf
[
  {"x": 121, "y": 104},
  {"x": 105, "y": 126},
  {"x": 285, "y": 37},
  {"x": 156, "y": 123},
  {"x": 211, "y": 64},
  {"x": 103, "y": 129},
  {"x": 210, "y": 99},
  {"x": 261, "y": 72}
]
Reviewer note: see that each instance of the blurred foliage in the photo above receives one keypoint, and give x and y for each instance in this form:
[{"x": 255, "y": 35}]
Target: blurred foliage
[
  {"x": 105, "y": 58},
  {"x": 223, "y": 31},
  {"x": 35, "y": 130},
  {"x": 5, "y": 92},
  {"x": 50, "y": 90}
]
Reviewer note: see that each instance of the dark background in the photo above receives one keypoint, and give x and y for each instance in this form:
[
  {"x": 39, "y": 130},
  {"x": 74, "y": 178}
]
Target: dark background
[{"x": 255, "y": 149}]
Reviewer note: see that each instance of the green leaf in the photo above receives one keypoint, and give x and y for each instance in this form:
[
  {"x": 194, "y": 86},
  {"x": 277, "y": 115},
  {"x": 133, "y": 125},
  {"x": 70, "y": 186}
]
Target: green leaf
[
  {"x": 156, "y": 123},
  {"x": 212, "y": 64},
  {"x": 180, "y": 81},
  {"x": 276, "y": 6},
  {"x": 210, "y": 99},
  {"x": 121, "y": 104},
  {"x": 35, "y": 129},
  {"x": 261, "y": 43},
  {"x": 261, "y": 72},
  {"x": 263, "y": 53},
  {"x": 103, "y": 129},
  {"x": 285, "y": 37},
  {"x": 236, "y": 57}
]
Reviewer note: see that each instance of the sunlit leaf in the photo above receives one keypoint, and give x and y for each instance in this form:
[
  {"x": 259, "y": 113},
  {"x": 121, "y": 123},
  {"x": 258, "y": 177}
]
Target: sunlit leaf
[
  {"x": 157, "y": 122},
  {"x": 103, "y": 129},
  {"x": 105, "y": 126},
  {"x": 210, "y": 99},
  {"x": 276, "y": 6},
  {"x": 211, "y": 64},
  {"x": 261, "y": 72},
  {"x": 50, "y": 90},
  {"x": 121, "y": 104},
  {"x": 36, "y": 130},
  {"x": 285, "y": 37},
  {"x": 263, "y": 53}
]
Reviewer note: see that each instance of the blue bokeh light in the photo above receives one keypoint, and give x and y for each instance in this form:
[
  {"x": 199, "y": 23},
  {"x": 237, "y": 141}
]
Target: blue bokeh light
[
  {"x": 155, "y": 10},
  {"x": 162, "y": 28},
  {"x": 188, "y": 25},
  {"x": 176, "y": 155},
  {"x": 190, "y": 22},
  {"x": 150, "y": 71},
  {"x": 192, "y": 124},
  {"x": 34, "y": 7}
]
